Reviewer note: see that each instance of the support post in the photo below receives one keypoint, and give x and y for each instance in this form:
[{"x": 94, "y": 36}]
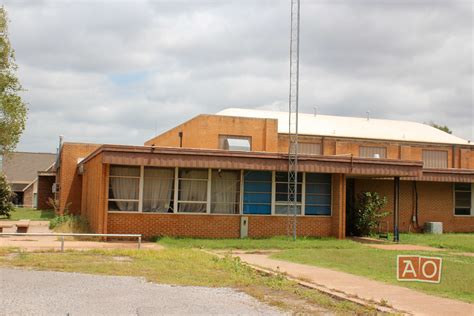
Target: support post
[
  {"x": 139, "y": 242},
  {"x": 396, "y": 209},
  {"x": 62, "y": 243}
]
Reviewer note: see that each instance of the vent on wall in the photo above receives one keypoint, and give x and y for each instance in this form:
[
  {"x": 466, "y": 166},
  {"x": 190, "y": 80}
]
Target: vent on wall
[{"x": 235, "y": 143}]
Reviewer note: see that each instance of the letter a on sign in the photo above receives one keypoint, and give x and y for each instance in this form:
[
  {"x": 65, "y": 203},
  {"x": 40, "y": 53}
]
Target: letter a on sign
[{"x": 418, "y": 268}]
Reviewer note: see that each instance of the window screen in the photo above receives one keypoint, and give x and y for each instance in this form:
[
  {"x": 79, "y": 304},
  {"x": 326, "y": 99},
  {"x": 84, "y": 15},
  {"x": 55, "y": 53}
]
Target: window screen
[
  {"x": 372, "y": 152},
  {"x": 318, "y": 194},
  {"x": 463, "y": 199},
  {"x": 257, "y": 192},
  {"x": 435, "y": 159},
  {"x": 309, "y": 148}
]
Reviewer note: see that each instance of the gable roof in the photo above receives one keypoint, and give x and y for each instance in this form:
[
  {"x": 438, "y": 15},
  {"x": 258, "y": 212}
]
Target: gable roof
[
  {"x": 353, "y": 127},
  {"x": 23, "y": 167}
]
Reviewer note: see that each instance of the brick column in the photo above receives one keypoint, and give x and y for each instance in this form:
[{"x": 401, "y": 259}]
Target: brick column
[{"x": 339, "y": 206}]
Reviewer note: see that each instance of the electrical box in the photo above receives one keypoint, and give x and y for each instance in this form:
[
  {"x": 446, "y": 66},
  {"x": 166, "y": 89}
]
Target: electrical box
[{"x": 244, "y": 227}]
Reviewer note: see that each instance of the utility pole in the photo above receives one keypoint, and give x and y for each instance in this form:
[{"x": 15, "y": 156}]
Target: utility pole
[{"x": 293, "y": 117}]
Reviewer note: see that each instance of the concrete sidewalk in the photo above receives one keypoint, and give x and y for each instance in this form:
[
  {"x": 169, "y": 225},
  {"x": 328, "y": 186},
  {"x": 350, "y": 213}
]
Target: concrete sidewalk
[{"x": 400, "y": 298}]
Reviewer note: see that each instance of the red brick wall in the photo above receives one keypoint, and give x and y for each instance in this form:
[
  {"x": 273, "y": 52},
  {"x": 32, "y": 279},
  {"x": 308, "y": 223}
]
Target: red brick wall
[
  {"x": 435, "y": 203},
  {"x": 212, "y": 226},
  {"x": 70, "y": 181},
  {"x": 45, "y": 184},
  {"x": 28, "y": 196}
]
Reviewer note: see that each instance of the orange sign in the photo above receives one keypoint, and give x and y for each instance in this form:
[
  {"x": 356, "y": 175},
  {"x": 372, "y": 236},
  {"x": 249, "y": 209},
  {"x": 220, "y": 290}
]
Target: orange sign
[{"x": 419, "y": 268}]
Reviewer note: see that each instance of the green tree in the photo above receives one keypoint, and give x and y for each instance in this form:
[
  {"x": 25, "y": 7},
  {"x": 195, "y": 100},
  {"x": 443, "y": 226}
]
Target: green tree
[
  {"x": 13, "y": 109},
  {"x": 6, "y": 195},
  {"x": 443, "y": 128},
  {"x": 368, "y": 213}
]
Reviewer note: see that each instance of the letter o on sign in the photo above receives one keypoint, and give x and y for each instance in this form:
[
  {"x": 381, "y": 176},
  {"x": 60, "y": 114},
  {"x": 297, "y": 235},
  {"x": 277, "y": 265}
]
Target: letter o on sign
[{"x": 423, "y": 269}]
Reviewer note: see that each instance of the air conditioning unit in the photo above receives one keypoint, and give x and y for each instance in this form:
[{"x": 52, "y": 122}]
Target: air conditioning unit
[
  {"x": 55, "y": 188},
  {"x": 433, "y": 228}
]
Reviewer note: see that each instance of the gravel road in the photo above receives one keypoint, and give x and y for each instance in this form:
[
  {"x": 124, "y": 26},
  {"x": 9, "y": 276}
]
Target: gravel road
[{"x": 26, "y": 292}]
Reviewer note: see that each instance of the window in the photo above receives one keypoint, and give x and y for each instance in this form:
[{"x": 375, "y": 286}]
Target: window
[
  {"x": 281, "y": 193},
  {"x": 225, "y": 192},
  {"x": 372, "y": 152},
  {"x": 237, "y": 143},
  {"x": 435, "y": 159},
  {"x": 309, "y": 148},
  {"x": 318, "y": 194},
  {"x": 158, "y": 190},
  {"x": 192, "y": 190},
  {"x": 257, "y": 192},
  {"x": 463, "y": 199},
  {"x": 124, "y": 186}
]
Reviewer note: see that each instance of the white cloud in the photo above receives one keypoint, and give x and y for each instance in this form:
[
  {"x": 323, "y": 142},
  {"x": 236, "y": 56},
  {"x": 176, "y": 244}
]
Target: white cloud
[{"x": 121, "y": 71}]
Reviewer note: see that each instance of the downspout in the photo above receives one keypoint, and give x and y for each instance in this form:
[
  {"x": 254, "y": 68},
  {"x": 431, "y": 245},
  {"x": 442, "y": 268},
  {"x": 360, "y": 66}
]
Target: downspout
[{"x": 180, "y": 134}]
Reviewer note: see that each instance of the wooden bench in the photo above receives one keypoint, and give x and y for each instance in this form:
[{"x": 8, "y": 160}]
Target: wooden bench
[
  {"x": 5, "y": 225},
  {"x": 22, "y": 226}
]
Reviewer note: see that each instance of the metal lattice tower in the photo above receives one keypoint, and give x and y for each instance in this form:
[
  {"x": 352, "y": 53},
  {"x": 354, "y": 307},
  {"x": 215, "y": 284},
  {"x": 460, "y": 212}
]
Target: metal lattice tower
[{"x": 293, "y": 117}]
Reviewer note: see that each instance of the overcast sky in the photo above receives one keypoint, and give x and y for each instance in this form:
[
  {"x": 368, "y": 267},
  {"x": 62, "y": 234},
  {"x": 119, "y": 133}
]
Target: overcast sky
[{"x": 123, "y": 71}]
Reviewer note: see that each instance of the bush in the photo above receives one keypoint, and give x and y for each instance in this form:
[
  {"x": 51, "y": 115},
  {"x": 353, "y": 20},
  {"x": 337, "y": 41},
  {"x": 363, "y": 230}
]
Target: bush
[
  {"x": 69, "y": 223},
  {"x": 367, "y": 213},
  {"x": 6, "y": 195}
]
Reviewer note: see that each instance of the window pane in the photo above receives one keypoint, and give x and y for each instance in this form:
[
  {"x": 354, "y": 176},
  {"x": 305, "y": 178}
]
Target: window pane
[
  {"x": 318, "y": 194},
  {"x": 192, "y": 207},
  {"x": 225, "y": 192},
  {"x": 462, "y": 211},
  {"x": 124, "y": 188},
  {"x": 317, "y": 210},
  {"x": 257, "y": 192},
  {"x": 284, "y": 209},
  {"x": 158, "y": 190},
  {"x": 372, "y": 152},
  {"x": 126, "y": 171},
  {"x": 123, "y": 206},
  {"x": 309, "y": 148},
  {"x": 193, "y": 174},
  {"x": 435, "y": 159}
]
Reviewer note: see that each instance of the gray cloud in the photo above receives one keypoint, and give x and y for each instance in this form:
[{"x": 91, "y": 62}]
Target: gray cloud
[{"x": 121, "y": 71}]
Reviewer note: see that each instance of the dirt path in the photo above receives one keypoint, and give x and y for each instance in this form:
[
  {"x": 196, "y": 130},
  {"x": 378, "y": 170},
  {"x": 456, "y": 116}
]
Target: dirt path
[{"x": 400, "y": 298}]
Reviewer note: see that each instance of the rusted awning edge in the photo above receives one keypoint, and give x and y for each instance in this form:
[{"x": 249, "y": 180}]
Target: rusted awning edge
[
  {"x": 446, "y": 175},
  {"x": 185, "y": 158}
]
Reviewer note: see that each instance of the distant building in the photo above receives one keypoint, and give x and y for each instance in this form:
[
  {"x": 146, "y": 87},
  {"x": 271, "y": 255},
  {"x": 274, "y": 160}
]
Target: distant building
[
  {"x": 30, "y": 176},
  {"x": 225, "y": 175}
]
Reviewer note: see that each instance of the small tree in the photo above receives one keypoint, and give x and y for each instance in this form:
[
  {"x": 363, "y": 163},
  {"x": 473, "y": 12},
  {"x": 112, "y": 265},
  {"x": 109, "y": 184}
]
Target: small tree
[
  {"x": 6, "y": 195},
  {"x": 367, "y": 213}
]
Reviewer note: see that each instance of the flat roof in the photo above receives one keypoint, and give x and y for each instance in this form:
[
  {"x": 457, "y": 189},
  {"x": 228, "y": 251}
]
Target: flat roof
[{"x": 353, "y": 127}]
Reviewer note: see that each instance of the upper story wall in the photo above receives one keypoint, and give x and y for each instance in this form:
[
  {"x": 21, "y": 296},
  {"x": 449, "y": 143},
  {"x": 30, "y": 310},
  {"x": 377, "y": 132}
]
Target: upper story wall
[
  {"x": 203, "y": 131},
  {"x": 458, "y": 156}
]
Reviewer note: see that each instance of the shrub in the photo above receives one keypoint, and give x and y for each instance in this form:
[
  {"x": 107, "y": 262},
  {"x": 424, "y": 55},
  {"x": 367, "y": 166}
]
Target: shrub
[
  {"x": 69, "y": 223},
  {"x": 6, "y": 195},
  {"x": 367, "y": 213}
]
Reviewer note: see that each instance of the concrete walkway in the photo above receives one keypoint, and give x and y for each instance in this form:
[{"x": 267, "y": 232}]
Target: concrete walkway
[
  {"x": 400, "y": 298},
  {"x": 35, "y": 243}
]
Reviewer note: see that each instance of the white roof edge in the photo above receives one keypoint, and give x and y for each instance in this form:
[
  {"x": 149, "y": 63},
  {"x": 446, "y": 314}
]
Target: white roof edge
[{"x": 354, "y": 127}]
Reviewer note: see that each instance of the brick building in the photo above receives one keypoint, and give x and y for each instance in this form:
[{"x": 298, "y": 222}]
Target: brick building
[
  {"x": 30, "y": 175},
  {"x": 225, "y": 175}
]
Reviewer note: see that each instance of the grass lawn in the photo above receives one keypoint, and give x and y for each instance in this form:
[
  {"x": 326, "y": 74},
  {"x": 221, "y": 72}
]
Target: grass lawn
[
  {"x": 457, "y": 242},
  {"x": 31, "y": 214},
  {"x": 281, "y": 243},
  {"x": 183, "y": 267},
  {"x": 348, "y": 256}
]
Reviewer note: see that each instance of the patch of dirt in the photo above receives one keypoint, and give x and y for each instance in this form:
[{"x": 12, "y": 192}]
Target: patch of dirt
[
  {"x": 122, "y": 259},
  {"x": 287, "y": 301}
]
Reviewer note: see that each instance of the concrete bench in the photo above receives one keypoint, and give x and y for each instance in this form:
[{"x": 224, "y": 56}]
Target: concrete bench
[
  {"x": 5, "y": 225},
  {"x": 22, "y": 226}
]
